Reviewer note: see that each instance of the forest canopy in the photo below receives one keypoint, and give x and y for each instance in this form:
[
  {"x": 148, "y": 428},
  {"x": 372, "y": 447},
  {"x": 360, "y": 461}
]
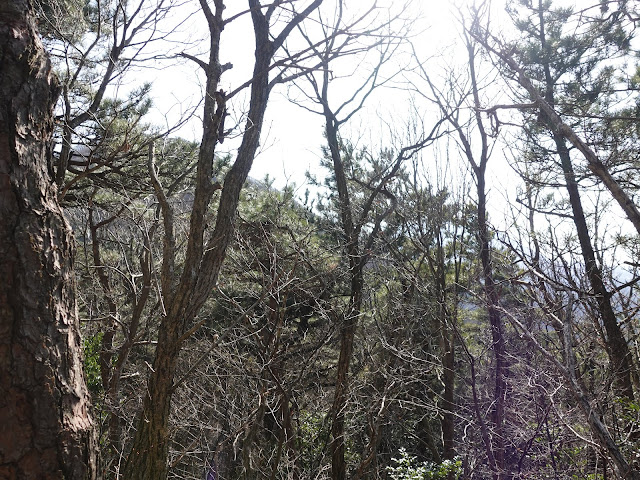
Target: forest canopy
[{"x": 451, "y": 293}]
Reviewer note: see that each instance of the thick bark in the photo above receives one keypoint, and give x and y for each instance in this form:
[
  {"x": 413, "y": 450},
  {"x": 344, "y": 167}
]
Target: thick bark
[{"x": 45, "y": 427}]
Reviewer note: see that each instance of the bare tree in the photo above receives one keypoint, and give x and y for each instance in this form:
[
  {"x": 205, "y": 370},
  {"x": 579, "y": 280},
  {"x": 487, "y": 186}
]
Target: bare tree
[
  {"x": 361, "y": 220},
  {"x": 184, "y": 293},
  {"x": 477, "y": 151},
  {"x": 100, "y": 167}
]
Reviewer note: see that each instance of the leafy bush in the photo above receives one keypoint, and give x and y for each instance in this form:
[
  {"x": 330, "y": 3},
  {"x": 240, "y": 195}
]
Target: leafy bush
[
  {"x": 408, "y": 468},
  {"x": 92, "y": 362}
]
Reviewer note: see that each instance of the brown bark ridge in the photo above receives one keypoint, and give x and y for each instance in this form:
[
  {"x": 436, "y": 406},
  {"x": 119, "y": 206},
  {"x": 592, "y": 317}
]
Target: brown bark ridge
[{"x": 45, "y": 427}]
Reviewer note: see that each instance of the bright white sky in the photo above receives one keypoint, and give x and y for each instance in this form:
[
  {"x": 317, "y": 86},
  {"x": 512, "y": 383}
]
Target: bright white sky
[{"x": 292, "y": 137}]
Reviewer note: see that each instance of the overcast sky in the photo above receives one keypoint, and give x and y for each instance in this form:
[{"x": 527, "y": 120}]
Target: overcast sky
[{"x": 292, "y": 137}]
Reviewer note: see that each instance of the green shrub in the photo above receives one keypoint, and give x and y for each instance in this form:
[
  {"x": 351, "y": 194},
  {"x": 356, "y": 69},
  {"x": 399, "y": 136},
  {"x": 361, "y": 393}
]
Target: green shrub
[
  {"x": 92, "y": 345},
  {"x": 408, "y": 468}
]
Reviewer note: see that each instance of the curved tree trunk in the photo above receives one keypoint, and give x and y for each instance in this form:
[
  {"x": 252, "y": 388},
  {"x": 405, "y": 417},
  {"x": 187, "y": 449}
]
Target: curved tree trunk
[
  {"x": 45, "y": 427},
  {"x": 148, "y": 457},
  {"x": 205, "y": 253}
]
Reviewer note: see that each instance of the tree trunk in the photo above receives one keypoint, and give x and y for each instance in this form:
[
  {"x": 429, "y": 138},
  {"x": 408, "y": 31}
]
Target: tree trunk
[
  {"x": 148, "y": 456},
  {"x": 204, "y": 257},
  {"x": 45, "y": 427},
  {"x": 617, "y": 347},
  {"x": 350, "y": 320},
  {"x": 546, "y": 108},
  {"x": 448, "y": 400},
  {"x": 337, "y": 446},
  {"x": 347, "y": 336},
  {"x": 446, "y": 322},
  {"x": 497, "y": 333}
]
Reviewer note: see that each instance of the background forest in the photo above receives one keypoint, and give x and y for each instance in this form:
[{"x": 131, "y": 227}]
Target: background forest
[{"x": 402, "y": 315}]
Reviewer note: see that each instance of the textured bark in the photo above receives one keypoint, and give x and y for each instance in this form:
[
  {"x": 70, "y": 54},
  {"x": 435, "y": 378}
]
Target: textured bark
[
  {"x": 148, "y": 456},
  {"x": 45, "y": 427},
  {"x": 205, "y": 254}
]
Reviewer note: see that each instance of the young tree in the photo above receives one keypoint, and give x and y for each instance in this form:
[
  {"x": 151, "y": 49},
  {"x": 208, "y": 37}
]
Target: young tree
[
  {"x": 476, "y": 141},
  {"x": 364, "y": 199},
  {"x": 46, "y": 431}
]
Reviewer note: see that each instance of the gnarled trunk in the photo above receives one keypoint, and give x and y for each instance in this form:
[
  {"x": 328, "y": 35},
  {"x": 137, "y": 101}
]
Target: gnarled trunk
[{"x": 205, "y": 252}]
